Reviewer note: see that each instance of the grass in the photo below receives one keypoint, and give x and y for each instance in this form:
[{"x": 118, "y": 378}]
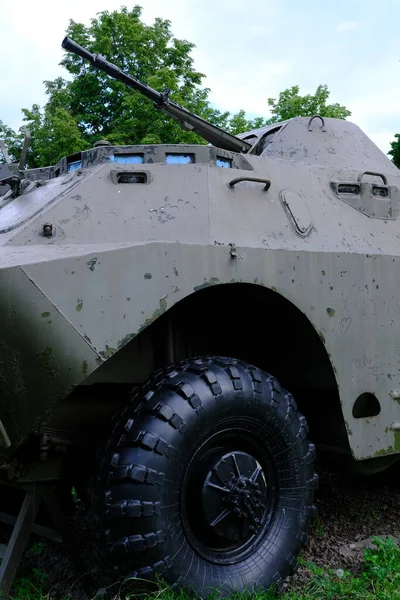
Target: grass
[{"x": 379, "y": 579}]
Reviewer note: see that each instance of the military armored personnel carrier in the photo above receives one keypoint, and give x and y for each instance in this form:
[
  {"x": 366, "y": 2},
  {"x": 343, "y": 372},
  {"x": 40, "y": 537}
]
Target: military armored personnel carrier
[{"x": 183, "y": 326}]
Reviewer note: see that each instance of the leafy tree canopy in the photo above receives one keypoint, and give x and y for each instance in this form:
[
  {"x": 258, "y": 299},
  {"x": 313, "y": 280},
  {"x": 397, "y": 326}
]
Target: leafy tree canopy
[
  {"x": 12, "y": 141},
  {"x": 394, "y": 152},
  {"x": 90, "y": 105},
  {"x": 290, "y": 104}
]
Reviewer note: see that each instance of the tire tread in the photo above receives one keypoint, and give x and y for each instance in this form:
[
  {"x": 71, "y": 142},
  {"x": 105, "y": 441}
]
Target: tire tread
[{"x": 163, "y": 408}]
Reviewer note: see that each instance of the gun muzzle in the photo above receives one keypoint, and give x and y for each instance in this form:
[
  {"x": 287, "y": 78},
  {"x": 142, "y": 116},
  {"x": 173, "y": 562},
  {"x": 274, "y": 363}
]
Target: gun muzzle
[{"x": 72, "y": 46}]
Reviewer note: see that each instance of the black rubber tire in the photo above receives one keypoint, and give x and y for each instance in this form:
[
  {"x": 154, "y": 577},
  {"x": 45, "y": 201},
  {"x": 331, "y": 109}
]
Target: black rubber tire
[{"x": 143, "y": 465}]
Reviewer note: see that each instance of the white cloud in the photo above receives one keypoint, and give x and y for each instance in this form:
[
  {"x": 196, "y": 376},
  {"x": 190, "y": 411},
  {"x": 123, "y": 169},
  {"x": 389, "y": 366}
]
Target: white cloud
[
  {"x": 345, "y": 26},
  {"x": 381, "y": 138},
  {"x": 248, "y": 89}
]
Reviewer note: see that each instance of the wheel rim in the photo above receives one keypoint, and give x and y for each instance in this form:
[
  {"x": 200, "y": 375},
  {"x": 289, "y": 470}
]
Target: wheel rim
[
  {"x": 234, "y": 496},
  {"x": 229, "y": 495}
]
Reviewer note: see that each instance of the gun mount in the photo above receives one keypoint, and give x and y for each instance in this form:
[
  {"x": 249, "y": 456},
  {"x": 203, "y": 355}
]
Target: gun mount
[{"x": 188, "y": 120}]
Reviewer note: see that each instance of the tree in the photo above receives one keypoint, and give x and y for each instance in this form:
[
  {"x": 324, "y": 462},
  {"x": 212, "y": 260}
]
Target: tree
[
  {"x": 238, "y": 123},
  {"x": 54, "y": 134},
  {"x": 290, "y": 104},
  {"x": 13, "y": 142},
  {"x": 90, "y": 105},
  {"x": 106, "y": 108},
  {"x": 395, "y": 150}
]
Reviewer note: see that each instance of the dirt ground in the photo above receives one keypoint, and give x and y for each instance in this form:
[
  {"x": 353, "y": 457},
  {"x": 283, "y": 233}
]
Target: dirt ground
[{"x": 349, "y": 513}]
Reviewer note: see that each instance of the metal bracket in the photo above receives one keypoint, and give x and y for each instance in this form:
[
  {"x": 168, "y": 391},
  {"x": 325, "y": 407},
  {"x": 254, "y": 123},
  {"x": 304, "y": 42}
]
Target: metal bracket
[
  {"x": 3, "y": 150},
  {"x": 316, "y": 117},
  {"x": 375, "y": 200},
  {"x": 24, "y": 525},
  {"x": 164, "y": 98},
  {"x": 233, "y": 251},
  {"x": 25, "y": 149}
]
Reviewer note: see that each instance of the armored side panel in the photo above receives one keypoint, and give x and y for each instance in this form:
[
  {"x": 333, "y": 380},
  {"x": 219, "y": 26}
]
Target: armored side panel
[{"x": 116, "y": 236}]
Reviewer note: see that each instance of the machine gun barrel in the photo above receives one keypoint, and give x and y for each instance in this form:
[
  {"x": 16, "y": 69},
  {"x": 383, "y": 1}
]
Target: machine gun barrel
[{"x": 188, "y": 120}]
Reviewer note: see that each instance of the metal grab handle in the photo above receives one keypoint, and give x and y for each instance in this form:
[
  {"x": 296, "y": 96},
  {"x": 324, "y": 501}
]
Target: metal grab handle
[
  {"x": 267, "y": 182},
  {"x": 383, "y": 177},
  {"x": 316, "y": 117}
]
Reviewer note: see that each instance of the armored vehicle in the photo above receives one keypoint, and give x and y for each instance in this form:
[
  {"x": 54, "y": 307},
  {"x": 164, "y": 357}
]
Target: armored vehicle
[{"x": 185, "y": 327}]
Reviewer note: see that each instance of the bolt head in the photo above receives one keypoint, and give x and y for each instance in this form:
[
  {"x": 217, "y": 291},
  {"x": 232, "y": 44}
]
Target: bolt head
[{"x": 47, "y": 229}]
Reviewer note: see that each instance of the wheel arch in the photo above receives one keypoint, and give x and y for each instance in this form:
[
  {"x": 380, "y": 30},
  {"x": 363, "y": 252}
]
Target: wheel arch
[{"x": 247, "y": 321}]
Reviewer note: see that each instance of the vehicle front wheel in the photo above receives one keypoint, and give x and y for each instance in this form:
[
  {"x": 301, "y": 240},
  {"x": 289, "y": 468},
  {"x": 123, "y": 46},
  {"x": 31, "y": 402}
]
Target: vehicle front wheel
[{"x": 207, "y": 480}]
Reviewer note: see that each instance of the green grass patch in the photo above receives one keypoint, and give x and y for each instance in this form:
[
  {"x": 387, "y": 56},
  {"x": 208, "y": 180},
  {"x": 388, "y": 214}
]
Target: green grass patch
[{"x": 379, "y": 579}]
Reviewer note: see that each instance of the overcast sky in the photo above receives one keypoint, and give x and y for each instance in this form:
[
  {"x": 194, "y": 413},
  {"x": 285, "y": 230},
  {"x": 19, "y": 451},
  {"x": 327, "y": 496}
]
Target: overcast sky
[{"x": 249, "y": 51}]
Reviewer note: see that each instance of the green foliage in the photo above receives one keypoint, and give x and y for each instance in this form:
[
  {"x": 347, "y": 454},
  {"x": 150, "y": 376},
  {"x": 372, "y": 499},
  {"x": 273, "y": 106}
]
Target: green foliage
[
  {"x": 30, "y": 588},
  {"x": 54, "y": 134},
  {"x": 105, "y": 108},
  {"x": 383, "y": 564},
  {"x": 318, "y": 529},
  {"x": 88, "y": 105},
  {"x": 13, "y": 142},
  {"x": 238, "y": 123},
  {"x": 379, "y": 579},
  {"x": 394, "y": 152},
  {"x": 37, "y": 548},
  {"x": 290, "y": 104}
]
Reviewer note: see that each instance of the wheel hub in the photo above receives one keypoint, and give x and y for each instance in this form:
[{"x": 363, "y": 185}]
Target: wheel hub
[{"x": 234, "y": 497}]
